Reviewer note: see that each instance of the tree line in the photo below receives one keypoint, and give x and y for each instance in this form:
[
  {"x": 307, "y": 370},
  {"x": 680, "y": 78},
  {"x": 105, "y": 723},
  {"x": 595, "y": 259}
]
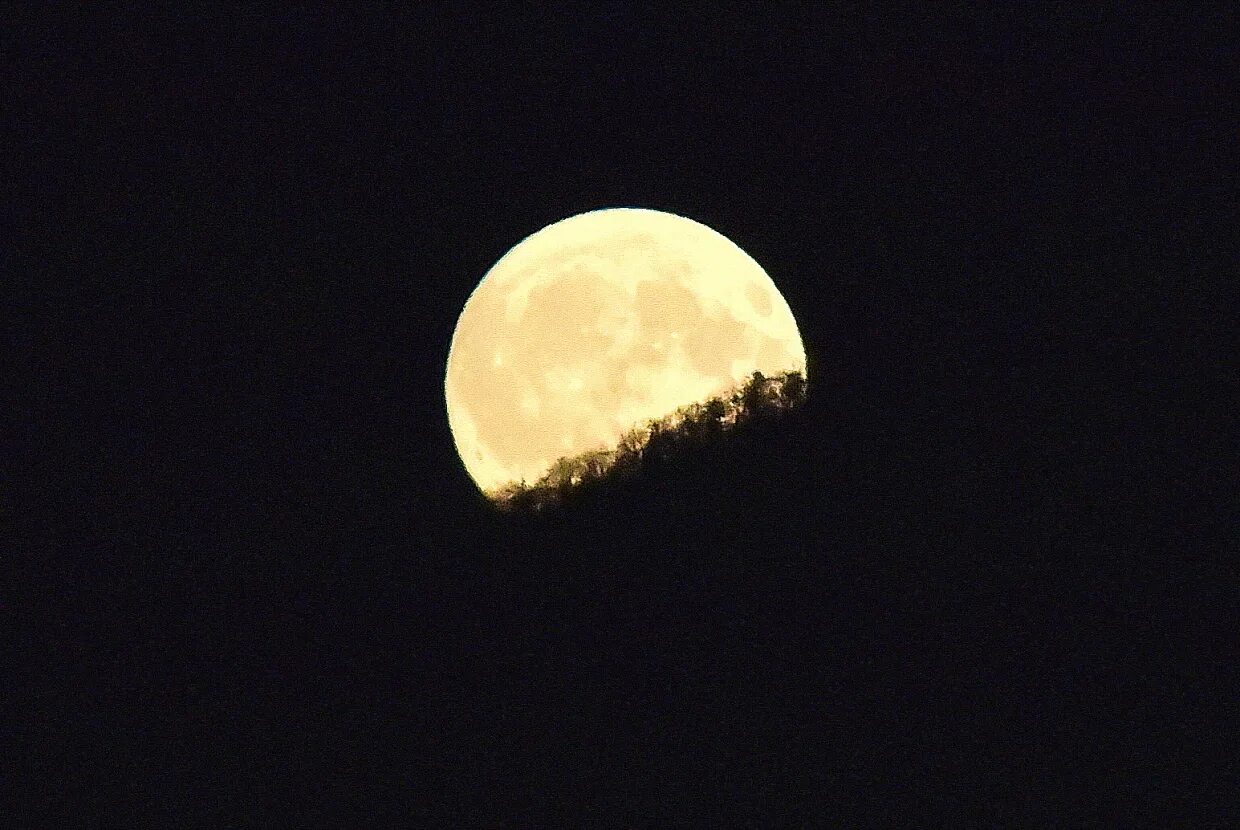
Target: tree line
[{"x": 659, "y": 441}]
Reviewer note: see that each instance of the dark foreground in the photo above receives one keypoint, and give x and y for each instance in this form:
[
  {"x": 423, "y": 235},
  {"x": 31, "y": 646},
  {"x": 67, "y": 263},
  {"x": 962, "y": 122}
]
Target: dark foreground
[{"x": 840, "y": 613}]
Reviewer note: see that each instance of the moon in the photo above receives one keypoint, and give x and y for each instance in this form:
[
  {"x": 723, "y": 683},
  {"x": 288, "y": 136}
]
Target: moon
[{"x": 601, "y": 322}]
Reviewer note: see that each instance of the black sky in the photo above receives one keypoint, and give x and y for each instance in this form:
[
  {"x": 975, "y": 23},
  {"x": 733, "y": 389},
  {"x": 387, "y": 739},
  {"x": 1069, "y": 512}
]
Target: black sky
[{"x": 251, "y": 584}]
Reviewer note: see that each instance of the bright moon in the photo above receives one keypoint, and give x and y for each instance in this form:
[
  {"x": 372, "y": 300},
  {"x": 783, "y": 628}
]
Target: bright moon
[{"x": 597, "y": 324}]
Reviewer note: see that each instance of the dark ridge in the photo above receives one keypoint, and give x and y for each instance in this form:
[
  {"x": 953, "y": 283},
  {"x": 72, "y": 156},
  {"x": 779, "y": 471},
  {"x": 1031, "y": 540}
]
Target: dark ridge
[{"x": 691, "y": 438}]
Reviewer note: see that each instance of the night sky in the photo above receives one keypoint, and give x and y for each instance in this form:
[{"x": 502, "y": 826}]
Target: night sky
[{"x": 985, "y": 576}]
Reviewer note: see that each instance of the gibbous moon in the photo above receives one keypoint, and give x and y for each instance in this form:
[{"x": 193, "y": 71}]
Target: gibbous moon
[{"x": 599, "y": 323}]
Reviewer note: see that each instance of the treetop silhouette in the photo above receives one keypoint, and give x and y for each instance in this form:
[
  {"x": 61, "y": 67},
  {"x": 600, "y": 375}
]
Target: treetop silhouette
[{"x": 659, "y": 442}]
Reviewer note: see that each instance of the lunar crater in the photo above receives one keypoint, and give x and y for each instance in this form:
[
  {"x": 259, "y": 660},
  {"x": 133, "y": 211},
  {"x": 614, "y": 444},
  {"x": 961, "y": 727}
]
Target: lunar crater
[{"x": 758, "y": 299}]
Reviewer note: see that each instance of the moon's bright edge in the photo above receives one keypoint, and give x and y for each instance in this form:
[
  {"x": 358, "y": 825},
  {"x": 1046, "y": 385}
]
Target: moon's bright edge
[{"x": 598, "y": 323}]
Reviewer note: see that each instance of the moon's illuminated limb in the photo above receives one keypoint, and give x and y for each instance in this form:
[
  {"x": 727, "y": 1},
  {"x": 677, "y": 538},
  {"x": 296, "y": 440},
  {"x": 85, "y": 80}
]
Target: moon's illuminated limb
[{"x": 600, "y": 322}]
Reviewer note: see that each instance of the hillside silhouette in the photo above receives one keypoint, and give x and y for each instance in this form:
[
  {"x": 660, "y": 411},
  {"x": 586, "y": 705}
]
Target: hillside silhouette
[
  {"x": 689, "y": 441},
  {"x": 789, "y": 608}
]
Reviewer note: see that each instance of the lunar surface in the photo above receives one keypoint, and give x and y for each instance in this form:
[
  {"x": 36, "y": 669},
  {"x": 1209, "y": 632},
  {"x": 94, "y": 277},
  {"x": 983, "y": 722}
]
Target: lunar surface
[{"x": 601, "y": 322}]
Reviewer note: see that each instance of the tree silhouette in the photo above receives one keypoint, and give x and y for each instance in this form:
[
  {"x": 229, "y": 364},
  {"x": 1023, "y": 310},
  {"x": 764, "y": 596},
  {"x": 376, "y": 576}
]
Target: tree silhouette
[
  {"x": 753, "y": 394},
  {"x": 792, "y": 391},
  {"x": 660, "y": 443}
]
